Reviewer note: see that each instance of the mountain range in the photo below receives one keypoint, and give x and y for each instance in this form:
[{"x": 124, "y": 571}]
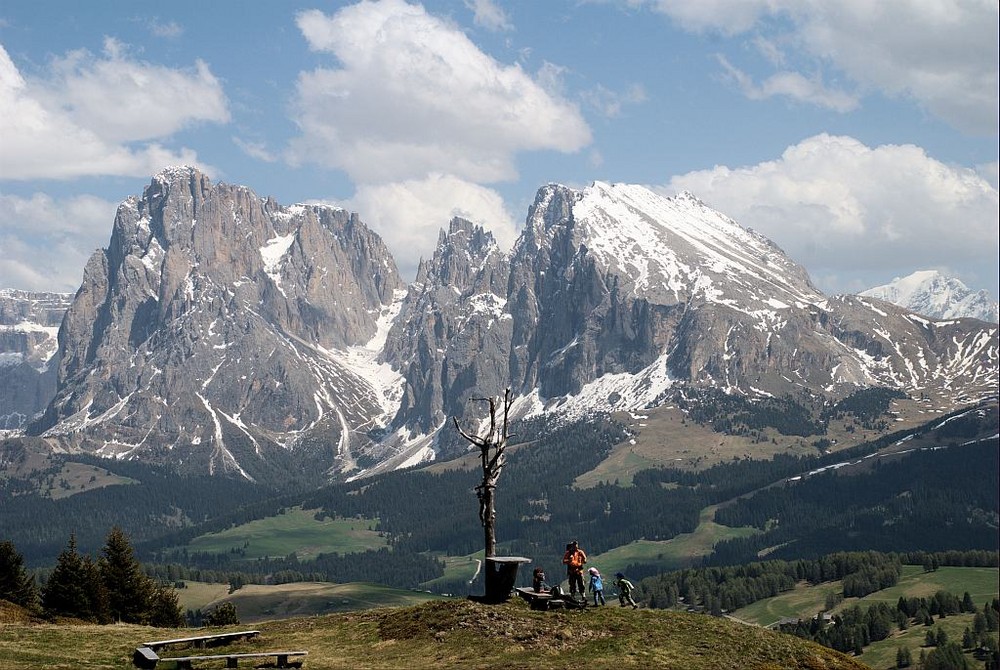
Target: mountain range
[
  {"x": 29, "y": 360},
  {"x": 930, "y": 293},
  {"x": 223, "y": 332}
]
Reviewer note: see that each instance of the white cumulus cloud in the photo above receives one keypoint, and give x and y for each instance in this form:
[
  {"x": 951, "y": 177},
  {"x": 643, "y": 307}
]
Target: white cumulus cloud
[
  {"x": 97, "y": 116},
  {"x": 45, "y": 242},
  {"x": 848, "y": 212},
  {"x": 409, "y": 214},
  {"x": 489, "y": 15},
  {"x": 942, "y": 54},
  {"x": 411, "y": 95}
]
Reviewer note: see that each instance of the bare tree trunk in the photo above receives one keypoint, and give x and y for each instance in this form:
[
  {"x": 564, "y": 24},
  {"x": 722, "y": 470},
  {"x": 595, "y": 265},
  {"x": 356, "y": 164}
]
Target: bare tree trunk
[{"x": 492, "y": 458}]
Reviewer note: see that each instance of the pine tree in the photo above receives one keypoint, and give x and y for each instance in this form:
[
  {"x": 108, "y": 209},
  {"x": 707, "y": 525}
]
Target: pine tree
[
  {"x": 130, "y": 591},
  {"x": 903, "y": 657},
  {"x": 165, "y": 609},
  {"x": 223, "y": 615},
  {"x": 967, "y": 604},
  {"x": 97, "y": 593},
  {"x": 16, "y": 585},
  {"x": 946, "y": 657},
  {"x": 74, "y": 588}
]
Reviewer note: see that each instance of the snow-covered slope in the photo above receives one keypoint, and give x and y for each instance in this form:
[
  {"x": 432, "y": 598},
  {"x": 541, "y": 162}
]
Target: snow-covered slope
[
  {"x": 930, "y": 293},
  {"x": 668, "y": 248}
]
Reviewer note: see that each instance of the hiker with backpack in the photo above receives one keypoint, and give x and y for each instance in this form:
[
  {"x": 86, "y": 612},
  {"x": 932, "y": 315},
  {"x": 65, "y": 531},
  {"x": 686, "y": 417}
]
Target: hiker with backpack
[
  {"x": 574, "y": 558},
  {"x": 625, "y": 588}
]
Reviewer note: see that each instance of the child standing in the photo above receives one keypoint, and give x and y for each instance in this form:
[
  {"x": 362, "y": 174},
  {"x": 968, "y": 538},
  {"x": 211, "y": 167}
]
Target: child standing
[
  {"x": 625, "y": 588},
  {"x": 596, "y": 585}
]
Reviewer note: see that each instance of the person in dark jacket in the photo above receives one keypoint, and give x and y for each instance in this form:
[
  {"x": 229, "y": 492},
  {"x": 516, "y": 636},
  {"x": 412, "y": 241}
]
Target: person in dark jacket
[
  {"x": 538, "y": 580},
  {"x": 625, "y": 588}
]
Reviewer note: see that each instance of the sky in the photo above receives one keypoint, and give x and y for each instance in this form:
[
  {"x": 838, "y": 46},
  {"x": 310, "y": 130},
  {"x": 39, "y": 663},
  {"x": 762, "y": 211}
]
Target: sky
[{"x": 859, "y": 136}]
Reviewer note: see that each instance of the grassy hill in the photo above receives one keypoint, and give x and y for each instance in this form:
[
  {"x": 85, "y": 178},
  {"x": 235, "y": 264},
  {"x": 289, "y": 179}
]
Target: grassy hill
[
  {"x": 458, "y": 634},
  {"x": 983, "y": 584},
  {"x": 258, "y": 602},
  {"x": 805, "y": 600}
]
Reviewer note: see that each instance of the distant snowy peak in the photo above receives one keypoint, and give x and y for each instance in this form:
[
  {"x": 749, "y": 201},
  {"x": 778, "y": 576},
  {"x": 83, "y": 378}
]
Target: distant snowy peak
[{"x": 930, "y": 293}]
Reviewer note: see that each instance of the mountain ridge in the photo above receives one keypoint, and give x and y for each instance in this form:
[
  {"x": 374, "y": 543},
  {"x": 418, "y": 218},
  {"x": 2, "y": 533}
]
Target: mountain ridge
[{"x": 228, "y": 333}]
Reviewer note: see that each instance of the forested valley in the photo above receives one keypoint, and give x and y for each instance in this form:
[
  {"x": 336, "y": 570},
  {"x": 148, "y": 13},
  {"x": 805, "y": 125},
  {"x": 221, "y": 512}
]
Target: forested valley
[{"x": 932, "y": 499}]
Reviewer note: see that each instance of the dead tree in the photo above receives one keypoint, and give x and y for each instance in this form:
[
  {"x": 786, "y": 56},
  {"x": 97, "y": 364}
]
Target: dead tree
[{"x": 492, "y": 446}]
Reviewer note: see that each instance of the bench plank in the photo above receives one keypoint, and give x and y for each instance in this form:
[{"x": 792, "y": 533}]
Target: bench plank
[
  {"x": 202, "y": 640},
  {"x": 532, "y": 594},
  {"x": 232, "y": 659}
]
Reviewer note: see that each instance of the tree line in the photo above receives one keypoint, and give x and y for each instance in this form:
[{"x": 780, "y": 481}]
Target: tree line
[
  {"x": 112, "y": 588},
  {"x": 855, "y": 628},
  {"x": 539, "y": 510},
  {"x": 727, "y": 588},
  {"x": 934, "y": 500}
]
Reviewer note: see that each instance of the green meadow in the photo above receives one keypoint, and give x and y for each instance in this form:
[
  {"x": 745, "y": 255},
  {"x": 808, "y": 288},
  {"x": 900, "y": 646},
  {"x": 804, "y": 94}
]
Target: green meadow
[
  {"x": 296, "y": 530},
  {"x": 679, "y": 552}
]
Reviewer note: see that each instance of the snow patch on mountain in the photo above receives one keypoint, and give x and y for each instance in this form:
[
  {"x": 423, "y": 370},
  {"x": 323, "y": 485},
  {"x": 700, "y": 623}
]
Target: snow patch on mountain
[
  {"x": 672, "y": 246},
  {"x": 610, "y": 392},
  {"x": 386, "y": 383}
]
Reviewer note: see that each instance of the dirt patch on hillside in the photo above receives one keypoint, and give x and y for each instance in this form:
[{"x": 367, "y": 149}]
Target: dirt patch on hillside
[{"x": 515, "y": 622}]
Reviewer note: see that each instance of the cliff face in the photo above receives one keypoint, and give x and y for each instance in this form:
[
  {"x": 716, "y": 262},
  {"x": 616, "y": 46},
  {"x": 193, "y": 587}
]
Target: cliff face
[{"x": 203, "y": 334}]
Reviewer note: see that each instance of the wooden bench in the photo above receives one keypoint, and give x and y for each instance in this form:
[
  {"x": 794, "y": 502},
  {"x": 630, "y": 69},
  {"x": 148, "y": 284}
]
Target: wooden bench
[
  {"x": 200, "y": 641},
  {"x": 148, "y": 659},
  {"x": 538, "y": 600}
]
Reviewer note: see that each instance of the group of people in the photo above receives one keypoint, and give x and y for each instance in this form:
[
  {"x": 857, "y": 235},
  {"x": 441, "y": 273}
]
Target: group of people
[{"x": 574, "y": 560}]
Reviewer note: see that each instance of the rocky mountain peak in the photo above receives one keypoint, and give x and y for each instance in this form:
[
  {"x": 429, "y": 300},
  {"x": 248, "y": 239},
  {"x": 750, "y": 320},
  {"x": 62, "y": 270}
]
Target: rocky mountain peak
[{"x": 211, "y": 325}]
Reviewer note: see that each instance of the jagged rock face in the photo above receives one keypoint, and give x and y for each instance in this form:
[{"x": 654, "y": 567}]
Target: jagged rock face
[
  {"x": 206, "y": 333},
  {"x": 614, "y": 295},
  {"x": 930, "y": 293},
  {"x": 224, "y": 332},
  {"x": 452, "y": 336},
  {"x": 29, "y": 357}
]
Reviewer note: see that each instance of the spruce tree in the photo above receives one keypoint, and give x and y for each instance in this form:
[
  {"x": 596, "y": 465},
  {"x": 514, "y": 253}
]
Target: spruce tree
[
  {"x": 165, "y": 609},
  {"x": 16, "y": 585},
  {"x": 74, "y": 588},
  {"x": 130, "y": 591}
]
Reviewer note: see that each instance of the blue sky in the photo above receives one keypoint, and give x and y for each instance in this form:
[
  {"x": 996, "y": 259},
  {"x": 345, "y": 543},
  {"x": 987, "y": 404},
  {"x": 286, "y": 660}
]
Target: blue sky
[{"x": 861, "y": 137}]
